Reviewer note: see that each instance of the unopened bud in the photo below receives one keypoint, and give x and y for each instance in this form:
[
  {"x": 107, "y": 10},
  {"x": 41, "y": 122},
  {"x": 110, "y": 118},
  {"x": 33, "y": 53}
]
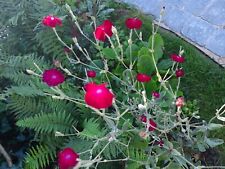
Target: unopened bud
[
  {"x": 129, "y": 41},
  {"x": 59, "y": 134},
  {"x": 143, "y": 134},
  {"x": 103, "y": 71},
  {"x": 93, "y": 18},
  {"x": 143, "y": 92},
  {"x": 180, "y": 102},
  {"x": 80, "y": 48},
  {"x": 140, "y": 35},
  {"x": 75, "y": 40},
  {"x": 31, "y": 72},
  {"x": 162, "y": 11},
  {"x": 114, "y": 30},
  {"x": 57, "y": 63},
  {"x": 141, "y": 107},
  {"x": 197, "y": 117},
  {"x": 195, "y": 113},
  {"x": 57, "y": 97},
  {"x": 183, "y": 130},
  {"x": 67, "y": 7},
  {"x": 144, "y": 96},
  {"x": 67, "y": 71},
  {"x": 181, "y": 52}
]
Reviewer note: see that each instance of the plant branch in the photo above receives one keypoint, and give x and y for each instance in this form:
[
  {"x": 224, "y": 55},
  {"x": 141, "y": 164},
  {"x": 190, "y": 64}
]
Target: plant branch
[{"x": 6, "y": 156}]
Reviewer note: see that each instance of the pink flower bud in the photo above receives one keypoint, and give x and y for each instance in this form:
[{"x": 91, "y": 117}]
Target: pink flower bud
[{"x": 180, "y": 102}]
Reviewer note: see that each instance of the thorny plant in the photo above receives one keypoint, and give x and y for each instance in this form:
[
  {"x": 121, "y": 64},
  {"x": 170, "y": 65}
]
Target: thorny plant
[{"x": 158, "y": 121}]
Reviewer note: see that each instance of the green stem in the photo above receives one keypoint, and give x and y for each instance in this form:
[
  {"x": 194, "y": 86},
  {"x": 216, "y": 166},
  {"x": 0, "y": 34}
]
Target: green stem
[
  {"x": 113, "y": 47},
  {"x": 60, "y": 40}
]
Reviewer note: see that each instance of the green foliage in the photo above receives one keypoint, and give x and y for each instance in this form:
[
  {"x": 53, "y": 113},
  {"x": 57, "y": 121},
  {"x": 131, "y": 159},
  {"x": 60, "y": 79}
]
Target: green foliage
[
  {"x": 92, "y": 129},
  {"x": 23, "y": 42},
  {"x": 214, "y": 126},
  {"x": 137, "y": 152},
  {"x": 14, "y": 67},
  {"x": 49, "y": 43},
  {"x": 213, "y": 142},
  {"x": 48, "y": 123},
  {"x": 138, "y": 156},
  {"x": 112, "y": 151},
  {"x": 132, "y": 51},
  {"x": 80, "y": 145},
  {"x": 25, "y": 90},
  {"x": 20, "y": 19},
  {"x": 39, "y": 157},
  {"x": 145, "y": 62},
  {"x": 190, "y": 108},
  {"x": 157, "y": 44},
  {"x": 165, "y": 64},
  {"x": 26, "y": 99},
  {"x": 24, "y": 107},
  {"x": 109, "y": 53},
  {"x": 148, "y": 57},
  {"x": 200, "y": 70}
]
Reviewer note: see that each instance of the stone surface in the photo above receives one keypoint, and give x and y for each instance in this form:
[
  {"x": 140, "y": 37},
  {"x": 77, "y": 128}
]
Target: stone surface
[
  {"x": 198, "y": 30},
  {"x": 215, "y": 13},
  {"x": 176, "y": 19},
  {"x": 195, "y": 7},
  {"x": 147, "y": 7},
  {"x": 216, "y": 42},
  {"x": 201, "y": 21}
]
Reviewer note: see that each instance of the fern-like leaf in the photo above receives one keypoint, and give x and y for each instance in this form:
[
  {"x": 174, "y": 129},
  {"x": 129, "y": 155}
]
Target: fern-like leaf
[
  {"x": 92, "y": 130},
  {"x": 24, "y": 107},
  {"x": 25, "y": 90},
  {"x": 48, "y": 123},
  {"x": 138, "y": 156},
  {"x": 39, "y": 157},
  {"x": 13, "y": 67},
  {"x": 80, "y": 145},
  {"x": 49, "y": 43},
  {"x": 112, "y": 151}
]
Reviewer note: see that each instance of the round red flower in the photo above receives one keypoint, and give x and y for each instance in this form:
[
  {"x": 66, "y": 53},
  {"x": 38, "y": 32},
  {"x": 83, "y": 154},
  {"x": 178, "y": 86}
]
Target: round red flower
[
  {"x": 108, "y": 27},
  {"x": 179, "y": 73},
  {"x": 91, "y": 73},
  {"x": 98, "y": 96},
  {"x": 52, "y": 21},
  {"x": 102, "y": 30},
  {"x": 156, "y": 94},
  {"x": 177, "y": 58},
  {"x": 152, "y": 126},
  {"x": 89, "y": 86},
  {"x": 67, "y": 158},
  {"x": 53, "y": 77},
  {"x": 141, "y": 77},
  {"x": 133, "y": 23}
]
